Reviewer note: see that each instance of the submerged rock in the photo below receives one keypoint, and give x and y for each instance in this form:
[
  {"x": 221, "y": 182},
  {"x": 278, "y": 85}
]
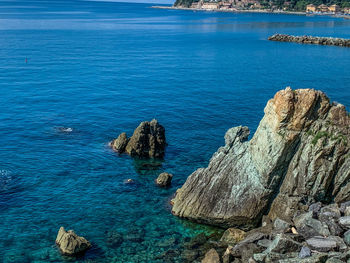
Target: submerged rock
[
  {"x": 148, "y": 141},
  {"x": 298, "y": 154},
  {"x": 70, "y": 243},
  {"x": 164, "y": 179}
]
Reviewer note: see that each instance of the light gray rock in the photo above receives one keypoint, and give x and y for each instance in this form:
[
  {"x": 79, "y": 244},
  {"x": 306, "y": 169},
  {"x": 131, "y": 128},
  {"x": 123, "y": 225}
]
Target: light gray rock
[
  {"x": 347, "y": 211},
  {"x": 321, "y": 244},
  {"x": 71, "y": 244},
  {"x": 298, "y": 151},
  {"x": 345, "y": 221},
  {"x": 305, "y": 252},
  {"x": 164, "y": 179}
]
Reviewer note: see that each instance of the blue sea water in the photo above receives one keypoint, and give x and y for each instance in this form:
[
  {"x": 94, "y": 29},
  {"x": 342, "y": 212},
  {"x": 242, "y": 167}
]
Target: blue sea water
[{"x": 102, "y": 68}]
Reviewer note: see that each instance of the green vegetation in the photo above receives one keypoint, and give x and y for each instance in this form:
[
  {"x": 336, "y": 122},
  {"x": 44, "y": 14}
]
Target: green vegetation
[{"x": 319, "y": 135}]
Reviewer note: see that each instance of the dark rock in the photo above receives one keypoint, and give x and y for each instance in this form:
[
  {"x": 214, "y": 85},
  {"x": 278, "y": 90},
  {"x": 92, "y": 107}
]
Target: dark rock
[
  {"x": 164, "y": 179},
  {"x": 343, "y": 206},
  {"x": 305, "y": 252},
  {"x": 283, "y": 244},
  {"x": 189, "y": 255},
  {"x": 315, "y": 208},
  {"x": 71, "y": 244},
  {"x": 114, "y": 239},
  {"x": 211, "y": 257},
  {"x": 311, "y": 40},
  {"x": 281, "y": 225},
  {"x": 308, "y": 227},
  {"x": 196, "y": 241},
  {"x": 148, "y": 141},
  {"x": 321, "y": 244}
]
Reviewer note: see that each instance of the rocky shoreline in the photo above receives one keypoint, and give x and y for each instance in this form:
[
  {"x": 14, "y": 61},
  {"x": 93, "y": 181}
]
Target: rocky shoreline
[
  {"x": 283, "y": 195},
  {"x": 330, "y": 41},
  {"x": 264, "y": 11}
]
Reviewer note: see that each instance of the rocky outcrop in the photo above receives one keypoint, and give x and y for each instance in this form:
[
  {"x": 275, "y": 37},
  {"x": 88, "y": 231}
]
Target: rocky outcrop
[
  {"x": 330, "y": 41},
  {"x": 299, "y": 155},
  {"x": 164, "y": 179},
  {"x": 148, "y": 141},
  {"x": 71, "y": 244}
]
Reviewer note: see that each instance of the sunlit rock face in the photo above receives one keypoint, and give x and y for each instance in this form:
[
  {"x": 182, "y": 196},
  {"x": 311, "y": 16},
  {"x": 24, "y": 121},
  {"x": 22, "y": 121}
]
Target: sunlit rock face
[{"x": 299, "y": 154}]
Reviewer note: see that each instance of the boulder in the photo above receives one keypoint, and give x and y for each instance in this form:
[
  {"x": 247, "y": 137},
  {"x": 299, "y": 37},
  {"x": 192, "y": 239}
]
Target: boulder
[
  {"x": 120, "y": 143},
  {"x": 71, "y": 244},
  {"x": 345, "y": 222},
  {"x": 321, "y": 244},
  {"x": 283, "y": 244},
  {"x": 147, "y": 141},
  {"x": 233, "y": 235},
  {"x": 347, "y": 237},
  {"x": 281, "y": 225},
  {"x": 305, "y": 252},
  {"x": 307, "y": 226},
  {"x": 164, "y": 179},
  {"x": 297, "y": 154},
  {"x": 211, "y": 257}
]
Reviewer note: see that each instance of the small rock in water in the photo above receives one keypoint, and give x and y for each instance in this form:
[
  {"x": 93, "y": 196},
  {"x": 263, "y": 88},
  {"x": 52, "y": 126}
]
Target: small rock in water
[
  {"x": 128, "y": 181},
  {"x": 164, "y": 179},
  {"x": 65, "y": 129},
  {"x": 305, "y": 252},
  {"x": 70, "y": 243}
]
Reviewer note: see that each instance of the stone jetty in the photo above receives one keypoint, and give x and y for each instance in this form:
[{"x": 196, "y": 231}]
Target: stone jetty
[{"x": 330, "y": 41}]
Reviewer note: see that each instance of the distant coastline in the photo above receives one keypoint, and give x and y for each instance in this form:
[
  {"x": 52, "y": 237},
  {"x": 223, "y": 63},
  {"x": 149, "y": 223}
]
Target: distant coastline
[{"x": 263, "y": 11}]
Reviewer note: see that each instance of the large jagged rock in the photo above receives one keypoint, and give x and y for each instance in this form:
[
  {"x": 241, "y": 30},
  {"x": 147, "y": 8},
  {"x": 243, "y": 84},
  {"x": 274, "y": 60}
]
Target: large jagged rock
[
  {"x": 148, "y": 141},
  {"x": 70, "y": 243},
  {"x": 299, "y": 154}
]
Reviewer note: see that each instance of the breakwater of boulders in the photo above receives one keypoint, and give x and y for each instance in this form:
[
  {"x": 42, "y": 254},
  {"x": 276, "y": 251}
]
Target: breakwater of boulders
[{"x": 329, "y": 41}]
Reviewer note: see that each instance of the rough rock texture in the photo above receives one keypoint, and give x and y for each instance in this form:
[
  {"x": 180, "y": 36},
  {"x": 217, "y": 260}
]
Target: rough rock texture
[
  {"x": 211, "y": 257},
  {"x": 164, "y": 179},
  {"x": 298, "y": 155},
  {"x": 311, "y": 40},
  {"x": 70, "y": 243},
  {"x": 148, "y": 141},
  {"x": 233, "y": 236}
]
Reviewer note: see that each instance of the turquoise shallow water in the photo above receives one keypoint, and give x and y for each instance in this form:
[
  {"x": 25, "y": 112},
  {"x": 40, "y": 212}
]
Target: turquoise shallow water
[{"x": 101, "y": 68}]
